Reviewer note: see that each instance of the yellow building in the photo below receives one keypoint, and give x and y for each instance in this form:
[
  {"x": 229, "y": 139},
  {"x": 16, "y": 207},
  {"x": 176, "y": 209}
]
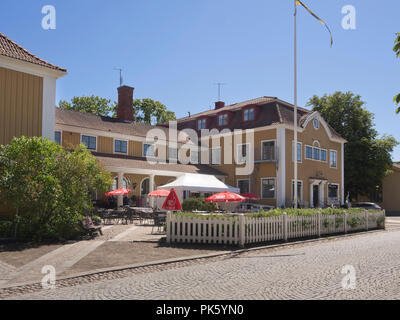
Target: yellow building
[
  {"x": 264, "y": 145},
  {"x": 319, "y": 151},
  {"x": 27, "y": 93}
]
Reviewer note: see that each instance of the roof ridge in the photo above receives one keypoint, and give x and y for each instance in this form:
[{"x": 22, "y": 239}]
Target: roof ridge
[
  {"x": 228, "y": 107},
  {"x": 30, "y": 54},
  {"x": 111, "y": 118}
]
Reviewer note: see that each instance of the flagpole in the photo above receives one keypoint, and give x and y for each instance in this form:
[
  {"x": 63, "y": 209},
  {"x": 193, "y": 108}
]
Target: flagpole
[{"x": 295, "y": 106}]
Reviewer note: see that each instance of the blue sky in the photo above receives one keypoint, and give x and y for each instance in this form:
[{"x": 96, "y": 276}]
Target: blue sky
[{"x": 174, "y": 51}]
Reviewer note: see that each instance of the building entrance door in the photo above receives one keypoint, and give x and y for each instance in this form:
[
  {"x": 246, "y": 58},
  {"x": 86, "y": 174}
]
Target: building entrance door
[{"x": 316, "y": 196}]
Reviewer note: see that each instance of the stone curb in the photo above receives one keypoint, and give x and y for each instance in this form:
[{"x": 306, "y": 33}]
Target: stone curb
[{"x": 197, "y": 257}]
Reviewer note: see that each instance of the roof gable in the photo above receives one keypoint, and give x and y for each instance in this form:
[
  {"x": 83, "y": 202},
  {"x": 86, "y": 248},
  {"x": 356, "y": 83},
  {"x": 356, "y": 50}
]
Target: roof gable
[{"x": 11, "y": 49}]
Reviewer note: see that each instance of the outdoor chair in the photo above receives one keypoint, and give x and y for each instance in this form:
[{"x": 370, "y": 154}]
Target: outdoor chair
[
  {"x": 159, "y": 221},
  {"x": 119, "y": 215},
  {"x": 131, "y": 215},
  {"x": 145, "y": 215},
  {"x": 89, "y": 227}
]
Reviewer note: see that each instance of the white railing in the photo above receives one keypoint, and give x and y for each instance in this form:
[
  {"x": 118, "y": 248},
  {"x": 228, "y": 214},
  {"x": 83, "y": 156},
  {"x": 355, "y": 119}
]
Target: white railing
[{"x": 241, "y": 229}]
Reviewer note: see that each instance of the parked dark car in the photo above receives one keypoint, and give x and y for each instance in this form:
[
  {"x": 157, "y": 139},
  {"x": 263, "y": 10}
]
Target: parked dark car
[{"x": 366, "y": 205}]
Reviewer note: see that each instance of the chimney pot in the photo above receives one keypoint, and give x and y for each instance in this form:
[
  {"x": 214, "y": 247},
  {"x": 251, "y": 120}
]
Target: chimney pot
[
  {"x": 125, "y": 103},
  {"x": 219, "y": 105}
]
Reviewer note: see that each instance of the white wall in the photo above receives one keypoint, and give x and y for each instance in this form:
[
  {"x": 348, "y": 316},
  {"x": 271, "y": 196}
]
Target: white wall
[{"x": 49, "y": 104}]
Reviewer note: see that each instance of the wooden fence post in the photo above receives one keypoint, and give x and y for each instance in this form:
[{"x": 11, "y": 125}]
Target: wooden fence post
[
  {"x": 319, "y": 224},
  {"x": 168, "y": 227},
  {"x": 345, "y": 222},
  {"x": 366, "y": 219},
  {"x": 285, "y": 227},
  {"x": 242, "y": 231}
]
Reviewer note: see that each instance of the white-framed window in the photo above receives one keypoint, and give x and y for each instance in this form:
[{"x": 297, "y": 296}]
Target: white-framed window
[
  {"x": 324, "y": 156},
  {"x": 268, "y": 150},
  {"x": 90, "y": 142},
  {"x": 242, "y": 152},
  {"x": 298, "y": 151},
  {"x": 309, "y": 152},
  {"x": 148, "y": 150},
  {"x": 216, "y": 156},
  {"x": 121, "y": 146},
  {"x": 333, "y": 191},
  {"x": 201, "y": 124},
  {"x": 316, "y": 123},
  {"x": 268, "y": 188},
  {"x": 333, "y": 158},
  {"x": 299, "y": 190},
  {"x": 248, "y": 114},
  {"x": 315, "y": 152},
  {"x": 57, "y": 137},
  {"x": 244, "y": 185},
  {"x": 223, "y": 119}
]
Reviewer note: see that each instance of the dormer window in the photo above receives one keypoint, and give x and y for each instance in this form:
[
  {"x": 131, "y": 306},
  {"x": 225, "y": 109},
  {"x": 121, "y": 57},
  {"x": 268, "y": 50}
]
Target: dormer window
[
  {"x": 223, "y": 120},
  {"x": 248, "y": 114},
  {"x": 201, "y": 124}
]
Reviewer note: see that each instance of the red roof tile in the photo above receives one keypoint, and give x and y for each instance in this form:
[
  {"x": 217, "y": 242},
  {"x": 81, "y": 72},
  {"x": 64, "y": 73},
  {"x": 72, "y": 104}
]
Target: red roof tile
[{"x": 13, "y": 50}]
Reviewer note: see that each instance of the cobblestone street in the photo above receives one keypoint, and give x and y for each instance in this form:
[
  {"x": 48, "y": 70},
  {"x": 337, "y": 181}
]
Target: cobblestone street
[{"x": 311, "y": 271}]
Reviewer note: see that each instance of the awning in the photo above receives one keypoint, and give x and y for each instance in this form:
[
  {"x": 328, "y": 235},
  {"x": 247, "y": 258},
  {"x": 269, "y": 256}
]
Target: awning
[{"x": 199, "y": 183}]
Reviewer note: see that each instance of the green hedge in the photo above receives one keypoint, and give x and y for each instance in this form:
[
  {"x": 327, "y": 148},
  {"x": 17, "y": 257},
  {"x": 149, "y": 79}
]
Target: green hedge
[
  {"x": 198, "y": 204},
  {"x": 279, "y": 212},
  {"x": 307, "y": 212},
  {"x": 6, "y": 229}
]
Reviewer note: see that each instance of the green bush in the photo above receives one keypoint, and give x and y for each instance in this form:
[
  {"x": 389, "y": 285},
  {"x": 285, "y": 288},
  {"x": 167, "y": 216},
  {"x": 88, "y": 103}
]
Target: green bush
[
  {"x": 6, "y": 229},
  {"x": 291, "y": 212},
  {"x": 48, "y": 187},
  {"x": 96, "y": 220},
  {"x": 197, "y": 204},
  {"x": 306, "y": 212}
]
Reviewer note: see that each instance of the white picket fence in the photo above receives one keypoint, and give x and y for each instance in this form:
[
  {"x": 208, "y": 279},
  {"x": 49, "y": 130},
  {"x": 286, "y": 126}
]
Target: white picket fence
[{"x": 242, "y": 229}]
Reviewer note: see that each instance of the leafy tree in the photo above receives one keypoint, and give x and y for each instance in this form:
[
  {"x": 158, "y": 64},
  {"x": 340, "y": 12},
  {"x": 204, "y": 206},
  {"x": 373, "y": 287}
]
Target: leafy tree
[
  {"x": 396, "y": 49},
  {"x": 151, "y": 112},
  {"x": 93, "y": 104},
  {"x": 146, "y": 110},
  {"x": 367, "y": 157},
  {"x": 48, "y": 187}
]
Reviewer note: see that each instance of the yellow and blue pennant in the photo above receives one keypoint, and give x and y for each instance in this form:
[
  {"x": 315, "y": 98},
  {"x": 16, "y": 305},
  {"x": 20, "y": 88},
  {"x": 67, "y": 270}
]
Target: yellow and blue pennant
[{"x": 298, "y": 2}]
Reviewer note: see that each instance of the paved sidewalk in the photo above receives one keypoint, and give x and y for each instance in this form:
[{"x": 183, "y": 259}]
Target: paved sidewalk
[
  {"x": 120, "y": 245},
  {"x": 312, "y": 271},
  {"x": 392, "y": 223}
]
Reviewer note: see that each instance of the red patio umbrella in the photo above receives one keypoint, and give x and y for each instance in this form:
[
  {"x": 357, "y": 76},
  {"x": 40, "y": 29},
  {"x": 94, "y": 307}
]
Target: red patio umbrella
[
  {"x": 118, "y": 192},
  {"x": 226, "y": 196},
  {"x": 250, "y": 196},
  {"x": 159, "y": 193},
  {"x": 172, "y": 202}
]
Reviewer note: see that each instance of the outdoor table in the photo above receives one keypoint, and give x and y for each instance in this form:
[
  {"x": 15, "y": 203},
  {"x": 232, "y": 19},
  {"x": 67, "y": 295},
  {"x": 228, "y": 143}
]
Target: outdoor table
[{"x": 144, "y": 213}]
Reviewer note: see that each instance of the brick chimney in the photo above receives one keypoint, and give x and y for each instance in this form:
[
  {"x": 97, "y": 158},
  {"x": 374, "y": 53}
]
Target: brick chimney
[
  {"x": 219, "y": 105},
  {"x": 125, "y": 104}
]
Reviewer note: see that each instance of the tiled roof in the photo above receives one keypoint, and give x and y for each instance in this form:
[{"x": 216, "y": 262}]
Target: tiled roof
[
  {"x": 141, "y": 163},
  {"x": 91, "y": 121},
  {"x": 396, "y": 165},
  {"x": 13, "y": 50},
  {"x": 232, "y": 107},
  {"x": 271, "y": 111}
]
